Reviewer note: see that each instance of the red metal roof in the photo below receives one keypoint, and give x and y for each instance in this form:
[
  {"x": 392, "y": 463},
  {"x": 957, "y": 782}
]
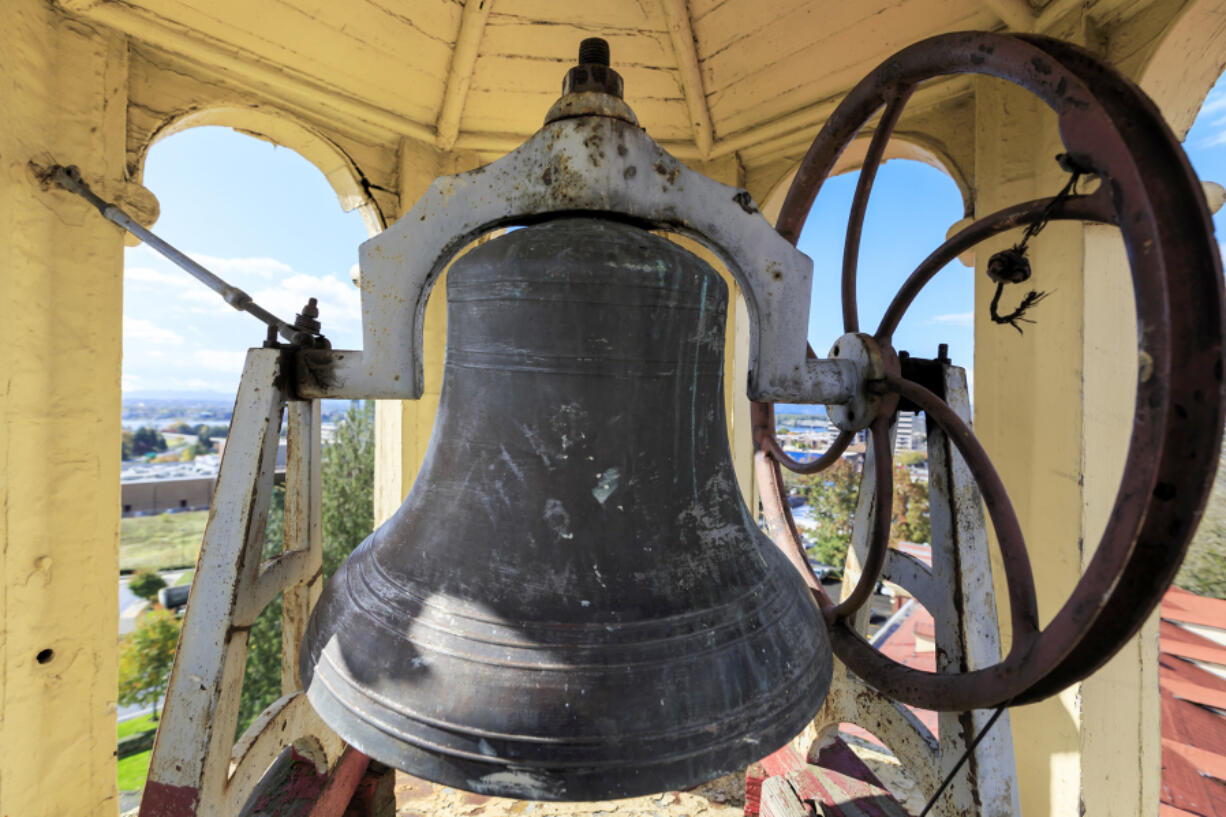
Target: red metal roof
[
  {"x": 1193, "y": 699},
  {"x": 1193, "y": 707}
]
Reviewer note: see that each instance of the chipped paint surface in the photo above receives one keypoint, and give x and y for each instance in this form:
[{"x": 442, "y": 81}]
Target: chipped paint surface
[
  {"x": 196, "y": 768},
  {"x": 62, "y": 289}
]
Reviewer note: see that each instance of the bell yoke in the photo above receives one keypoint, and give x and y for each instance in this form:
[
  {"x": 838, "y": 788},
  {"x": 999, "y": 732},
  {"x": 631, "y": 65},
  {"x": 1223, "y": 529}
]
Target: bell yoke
[{"x": 574, "y": 602}]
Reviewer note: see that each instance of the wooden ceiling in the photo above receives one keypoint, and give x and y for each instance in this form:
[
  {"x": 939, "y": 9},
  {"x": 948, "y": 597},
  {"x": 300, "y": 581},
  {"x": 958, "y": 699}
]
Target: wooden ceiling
[{"x": 706, "y": 77}]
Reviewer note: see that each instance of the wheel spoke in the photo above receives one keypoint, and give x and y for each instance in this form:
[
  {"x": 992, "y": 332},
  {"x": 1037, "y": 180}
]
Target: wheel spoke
[
  {"x": 859, "y": 204},
  {"x": 879, "y": 537},
  {"x": 1094, "y": 207},
  {"x": 1023, "y": 604},
  {"x": 1147, "y": 190}
]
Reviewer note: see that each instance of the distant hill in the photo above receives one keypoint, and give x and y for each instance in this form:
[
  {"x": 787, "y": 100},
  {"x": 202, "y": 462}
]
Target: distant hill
[
  {"x": 186, "y": 397},
  {"x": 154, "y": 405}
]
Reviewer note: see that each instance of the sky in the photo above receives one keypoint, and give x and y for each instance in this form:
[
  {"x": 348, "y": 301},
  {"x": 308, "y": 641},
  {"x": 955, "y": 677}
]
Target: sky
[{"x": 265, "y": 219}]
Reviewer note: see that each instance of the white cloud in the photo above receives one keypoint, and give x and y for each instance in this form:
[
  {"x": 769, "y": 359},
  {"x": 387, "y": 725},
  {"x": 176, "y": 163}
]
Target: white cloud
[
  {"x": 263, "y": 267},
  {"x": 1216, "y": 101},
  {"x": 213, "y": 303},
  {"x": 955, "y": 319},
  {"x": 340, "y": 302},
  {"x": 220, "y": 360},
  {"x": 148, "y": 275},
  {"x": 1212, "y": 112},
  {"x": 140, "y": 331},
  {"x": 1215, "y": 140},
  {"x": 128, "y": 382}
]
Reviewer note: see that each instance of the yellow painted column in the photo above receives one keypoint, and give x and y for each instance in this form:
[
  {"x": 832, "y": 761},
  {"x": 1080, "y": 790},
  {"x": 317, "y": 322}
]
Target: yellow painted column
[
  {"x": 1053, "y": 407},
  {"x": 65, "y": 101},
  {"x": 403, "y": 427},
  {"x": 728, "y": 170}
]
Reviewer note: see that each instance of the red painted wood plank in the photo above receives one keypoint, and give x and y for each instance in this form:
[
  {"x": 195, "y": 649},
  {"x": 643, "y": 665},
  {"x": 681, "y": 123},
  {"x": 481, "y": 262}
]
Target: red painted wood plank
[{"x": 839, "y": 785}]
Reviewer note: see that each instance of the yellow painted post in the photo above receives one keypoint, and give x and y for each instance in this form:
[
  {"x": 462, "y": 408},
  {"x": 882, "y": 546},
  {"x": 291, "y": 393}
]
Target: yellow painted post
[
  {"x": 1053, "y": 408},
  {"x": 728, "y": 170},
  {"x": 62, "y": 290},
  {"x": 403, "y": 427}
]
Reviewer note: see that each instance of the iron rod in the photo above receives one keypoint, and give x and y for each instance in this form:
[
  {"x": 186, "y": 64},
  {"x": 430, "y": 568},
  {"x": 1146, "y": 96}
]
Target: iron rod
[{"x": 69, "y": 178}]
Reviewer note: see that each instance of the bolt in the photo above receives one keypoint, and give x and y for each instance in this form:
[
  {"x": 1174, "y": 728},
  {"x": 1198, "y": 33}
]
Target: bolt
[
  {"x": 594, "y": 51},
  {"x": 306, "y": 320},
  {"x": 943, "y": 353},
  {"x": 593, "y": 72}
]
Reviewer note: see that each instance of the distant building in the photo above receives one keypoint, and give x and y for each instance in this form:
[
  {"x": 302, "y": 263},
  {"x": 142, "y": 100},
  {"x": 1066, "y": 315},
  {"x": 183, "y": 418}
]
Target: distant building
[
  {"x": 144, "y": 496},
  {"x": 907, "y": 434}
]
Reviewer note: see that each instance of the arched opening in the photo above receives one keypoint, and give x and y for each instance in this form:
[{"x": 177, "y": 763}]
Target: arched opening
[
  {"x": 341, "y": 172},
  {"x": 263, "y": 218},
  {"x": 1184, "y": 76},
  {"x": 1196, "y": 109},
  {"x": 913, "y": 205},
  {"x": 920, "y": 192}
]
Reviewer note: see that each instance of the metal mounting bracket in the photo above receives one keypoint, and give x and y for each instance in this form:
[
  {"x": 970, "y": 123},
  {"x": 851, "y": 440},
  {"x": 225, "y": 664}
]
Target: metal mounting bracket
[{"x": 586, "y": 164}]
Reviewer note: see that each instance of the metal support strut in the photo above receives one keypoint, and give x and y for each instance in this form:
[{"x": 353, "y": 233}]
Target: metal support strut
[{"x": 69, "y": 178}]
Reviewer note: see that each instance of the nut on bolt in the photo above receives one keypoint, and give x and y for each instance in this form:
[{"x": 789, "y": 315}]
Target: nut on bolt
[
  {"x": 307, "y": 319},
  {"x": 593, "y": 72}
]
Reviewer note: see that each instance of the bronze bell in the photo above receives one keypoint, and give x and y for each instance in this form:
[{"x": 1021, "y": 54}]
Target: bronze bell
[{"x": 574, "y": 602}]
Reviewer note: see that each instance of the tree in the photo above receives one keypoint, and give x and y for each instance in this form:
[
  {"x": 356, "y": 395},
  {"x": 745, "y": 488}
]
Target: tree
[
  {"x": 910, "y": 511},
  {"x": 348, "y": 471},
  {"x": 262, "y": 675},
  {"x": 146, "y": 656},
  {"x": 146, "y": 584},
  {"x": 125, "y": 445},
  {"x": 832, "y": 494},
  {"x": 349, "y": 484},
  {"x": 147, "y": 439}
]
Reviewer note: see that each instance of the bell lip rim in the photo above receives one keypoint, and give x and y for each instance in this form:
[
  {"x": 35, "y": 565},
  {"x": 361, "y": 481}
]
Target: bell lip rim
[
  {"x": 323, "y": 699},
  {"x": 820, "y": 670}
]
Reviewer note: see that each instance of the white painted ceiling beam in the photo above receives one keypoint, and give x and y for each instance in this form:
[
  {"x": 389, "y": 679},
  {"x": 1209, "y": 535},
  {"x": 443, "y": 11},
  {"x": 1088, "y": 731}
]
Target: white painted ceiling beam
[
  {"x": 677, "y": 15},
  {"x": 460, "y": 77}
]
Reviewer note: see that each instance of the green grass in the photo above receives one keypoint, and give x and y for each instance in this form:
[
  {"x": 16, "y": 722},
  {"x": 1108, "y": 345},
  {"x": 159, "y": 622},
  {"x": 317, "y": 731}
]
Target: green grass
[
  {"x": 185, "y": 578},
  {"x": 134, "y": 726},
  {"x": 133, "y": 770},
  {"x": 160, "y": 542}
]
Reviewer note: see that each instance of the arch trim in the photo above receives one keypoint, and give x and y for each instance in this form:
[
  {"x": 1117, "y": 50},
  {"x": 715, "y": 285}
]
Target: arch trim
[{"x": 342, "y": 173}]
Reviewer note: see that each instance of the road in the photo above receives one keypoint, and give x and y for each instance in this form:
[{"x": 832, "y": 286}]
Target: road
[{"x": 131, "y": 606}]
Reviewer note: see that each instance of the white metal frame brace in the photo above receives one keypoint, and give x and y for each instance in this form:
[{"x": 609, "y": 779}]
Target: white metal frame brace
[
  {"x": 967, "y": 635},
  {"x": 197, "y": 767}
]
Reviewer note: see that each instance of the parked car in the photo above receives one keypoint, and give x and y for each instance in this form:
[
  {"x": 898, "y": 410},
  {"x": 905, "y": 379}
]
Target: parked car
[
  {"x": 826, "y": 573},
  {"x": 175, "y": 597}
]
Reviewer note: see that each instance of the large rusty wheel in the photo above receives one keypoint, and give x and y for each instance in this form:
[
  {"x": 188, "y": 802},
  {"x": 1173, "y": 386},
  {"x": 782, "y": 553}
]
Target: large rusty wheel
[{"x": 1148, "y": 190}]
